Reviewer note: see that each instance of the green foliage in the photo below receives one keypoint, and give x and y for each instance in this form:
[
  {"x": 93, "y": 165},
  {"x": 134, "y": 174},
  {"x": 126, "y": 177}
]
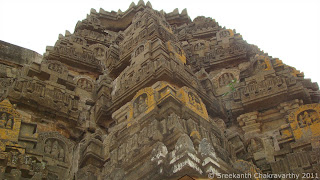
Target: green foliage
[{"x": 231, "y": 85}]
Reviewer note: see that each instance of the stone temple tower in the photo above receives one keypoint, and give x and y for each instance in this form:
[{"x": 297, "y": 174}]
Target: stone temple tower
[{"x": 145, "y": 94}]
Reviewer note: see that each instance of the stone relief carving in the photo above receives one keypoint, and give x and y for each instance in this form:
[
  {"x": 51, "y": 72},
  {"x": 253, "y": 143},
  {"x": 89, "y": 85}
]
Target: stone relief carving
[
  {"x": 194, "y": 101},
  {"x": 225, "y": 79},
  {"x": 99, "y": 51},
  {"x": 139, "y": 50},
  {"x": 140, "y": 105},
  {"x": 78, "y": 40},
  {"x": 85, "y": 84},
  {"x": 306, "y": 118},
  {"x": 55, "y": 148},
  {"x": 137, "y": 25},
  {"x": 71, "y": 52},
  {"x": 261, "y": 65},
  {"x": 55, "y": 67},
  {"x": 6, "y": 121}
]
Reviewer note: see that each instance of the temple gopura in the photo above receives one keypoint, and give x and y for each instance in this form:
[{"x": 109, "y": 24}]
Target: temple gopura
[{"x": 144, "y": 94}]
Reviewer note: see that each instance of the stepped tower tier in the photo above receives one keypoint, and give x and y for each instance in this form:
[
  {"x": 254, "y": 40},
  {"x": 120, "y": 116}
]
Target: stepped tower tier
[{"x": 145, "y": 94}]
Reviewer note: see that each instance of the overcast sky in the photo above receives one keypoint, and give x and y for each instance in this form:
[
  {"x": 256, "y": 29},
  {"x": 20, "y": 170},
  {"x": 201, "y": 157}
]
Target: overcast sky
[{"x": 286, "y": 29}]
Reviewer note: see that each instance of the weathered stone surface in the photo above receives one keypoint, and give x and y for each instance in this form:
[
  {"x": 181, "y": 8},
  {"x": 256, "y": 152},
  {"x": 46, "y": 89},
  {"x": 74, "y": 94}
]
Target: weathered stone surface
[
  {"x": 16, "y": 55},
  {"x": 144, "y": 94}
]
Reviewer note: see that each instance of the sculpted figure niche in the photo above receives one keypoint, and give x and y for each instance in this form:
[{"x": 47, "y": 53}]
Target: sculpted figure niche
[
  {"x": 139, "y": 50},
  {"x": 85, "y": 84},
  {"x": 225, "y": 79},
  {"x": 140, "y": 105},
  {"x": 137, "y": 25},
  {"x": 54, "y": 149},
  {"x": 3, "y": 120},
  {"x": 98, "y": 52},
  {"x": 260, "y": 65},
  {"x": 6, "y": 121},
  {"x": 306, "y": 118}
]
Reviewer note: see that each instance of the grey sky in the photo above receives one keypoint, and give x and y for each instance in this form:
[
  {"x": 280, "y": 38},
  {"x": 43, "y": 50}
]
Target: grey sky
[{"x": 288, "y": 30}]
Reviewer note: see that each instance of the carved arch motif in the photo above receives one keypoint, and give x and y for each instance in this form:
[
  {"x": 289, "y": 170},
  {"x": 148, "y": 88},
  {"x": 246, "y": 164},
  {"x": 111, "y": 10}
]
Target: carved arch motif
[
  {"x": 142, "y": 102},
  {"x": 84, "y": 82},
  {"x": 225, "y": 77},
  {"x": 55, "y": 146},
  {"x": 261, "y": 63}
]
